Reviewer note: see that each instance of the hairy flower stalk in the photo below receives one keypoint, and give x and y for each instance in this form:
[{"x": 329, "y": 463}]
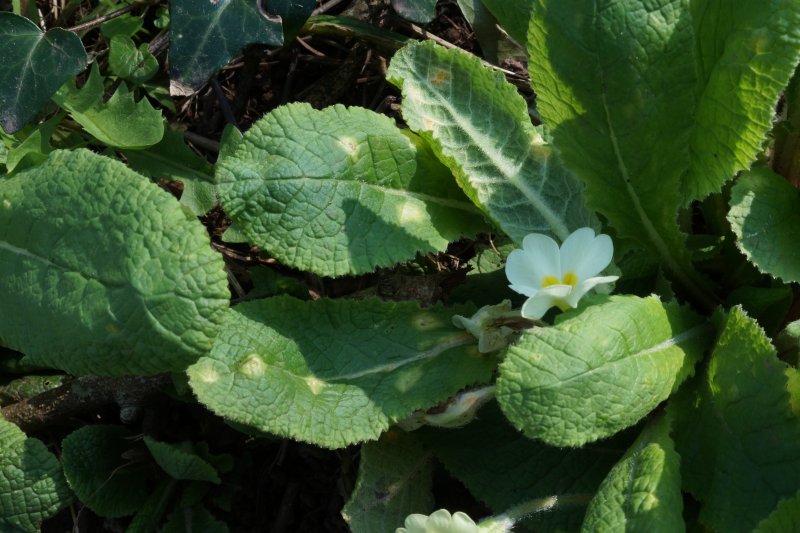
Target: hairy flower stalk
[{"x": 553, "y": 276}]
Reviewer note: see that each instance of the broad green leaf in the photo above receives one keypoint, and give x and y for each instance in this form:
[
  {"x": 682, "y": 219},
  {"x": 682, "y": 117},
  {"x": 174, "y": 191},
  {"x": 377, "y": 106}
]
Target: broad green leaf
[
  {"x": 32, "y": 486},
  {"x": 767, "y": 305},
  {"x": 600, "y": 371},
  {"x": 785, "y": 517},
  {"x": 28, "y": 386},
  {"x": 136, "y": 65},
  {"x": 150, "y": 514},
  {"x": 340, "y": 191},
  {"x": 615, "y": 84},
  {"x": 172, "y": 159},
  {"x": 494, "y": 42},
  {"x": 180, "y": 461},
  {"x": 35, "y": 147},
  {"x": 514, "y": 16},
  {"x": 479, "y": 126},
  {"x": 765, "y": 216},
  {"x": 421, "y": 11},
  {"x": 643, "y": 491},
  {"x": 293, "y": 14},
  {"x": 737, "y": 431},
  {"x": 502, "y": 468},
  {"x": 35, "y": 65},
  {"x": 101, "y": 271},
  {"x": 97, "y": 470},
  {"x": 745, "y": 51},
  {"x": 119, "y": 122},
  {"x": 335, "y": 372},
  {"x": 204, "y": 36},
  {"x": 127, "y": 25},
  {"x": 395, "y": 477}
]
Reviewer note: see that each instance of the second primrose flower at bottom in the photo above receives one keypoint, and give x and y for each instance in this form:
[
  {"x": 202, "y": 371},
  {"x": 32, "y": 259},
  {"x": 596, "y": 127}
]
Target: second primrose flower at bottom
[{"x": 553, "y": 276}]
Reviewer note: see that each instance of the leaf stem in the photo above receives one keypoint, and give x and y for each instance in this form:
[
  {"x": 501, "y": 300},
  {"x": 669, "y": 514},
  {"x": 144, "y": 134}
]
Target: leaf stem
[
  {"x": 99, "y": 20},
  {"x": 507, "y": 520}
]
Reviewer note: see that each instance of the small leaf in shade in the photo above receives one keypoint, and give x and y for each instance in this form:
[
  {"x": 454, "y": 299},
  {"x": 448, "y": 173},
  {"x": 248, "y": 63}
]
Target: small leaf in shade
[
  {"x": 513, "y": 15},
  {"x": 32, "y": 485},
  {"x": 736, "y": 429},
  {"x": 205, "y": 35},
  {"x": 421, "y": 11},
  {"x": 478, "y": 125},
  {"x": 785, "y": 517},
  {"x": 340, "y": 191},
  {"x": 119, "y": 122},
  {"x": 136, "y": 65},
  {"x": 35, "y": 65},
  {"x": 395, "y": 476},
  {"x": 765, "y": 216},
  {"x": 643, "y": 490},
  {"x": 102, "y": 478},
  {"x": 102, "y": 272},
  {"x": 599, "y": 371},
  {"x": 335, "y": 372},
  {"x": 180, "y": 461}
]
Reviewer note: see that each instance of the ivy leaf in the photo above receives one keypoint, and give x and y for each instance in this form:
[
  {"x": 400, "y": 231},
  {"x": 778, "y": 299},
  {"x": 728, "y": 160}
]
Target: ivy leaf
[
  {"x": 745, "y": 52},
  {"x": 97, "y": 470},
  {"x": 340, "y": 191},
  {"x": 615, "y": 84},
  {"x": 35, "y": 65},
  {"x": 395, "y": 478},
  {"x": 784, "y": 518},
  {"x": 204, "y": 36},
  {"x": 120, "y": 122},
  {"x": 765, "y": 216},
  {"x": 335, "y": 372},
  {"x": 600, "y": 371},
  {"x": 101, "y": 271},
  {"x": 32, "y": 485},
  {"x": 478, "y": 125},
  {"x": 736, "y": 429},
  {"x": 421, "y": 11},
  {"x": 502, "y": 468},
  {"x": 643, "y": 491},
  {"x": 180, "y": 462},
  {"x": 136, "y": 65}
]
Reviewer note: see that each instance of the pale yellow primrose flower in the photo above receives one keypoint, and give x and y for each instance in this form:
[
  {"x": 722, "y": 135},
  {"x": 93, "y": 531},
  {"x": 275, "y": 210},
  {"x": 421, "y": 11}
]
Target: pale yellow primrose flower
[
  {"x": 552, "y": 276},
  {"x": 440, "y": 521}
]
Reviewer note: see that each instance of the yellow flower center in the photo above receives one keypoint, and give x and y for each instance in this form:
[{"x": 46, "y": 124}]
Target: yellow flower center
[{"x": 569, "y": 279}]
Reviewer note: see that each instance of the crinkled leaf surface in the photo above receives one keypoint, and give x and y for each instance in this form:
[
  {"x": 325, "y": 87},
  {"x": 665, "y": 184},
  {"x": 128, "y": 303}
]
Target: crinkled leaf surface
[
  {"x": 737, "y": 431},
  {"x": 415, "y": 10},
  {"x": 479, "y": 126},
  {"x": 32, "y": 486},
  {"x": 35, "y": 65},
  {"x": 600, "y": 371},
  {"x": 101, "y": 271},
  {"x": 205, "y": 35},
  {"x": 340, "y": 191},
  {"x": 765, "y": 216},
  {"x": 120, "y": 122},
  {"x": 785, "y": 517},
  {"x": 395, "y": 476},
  {"x": 643, "y": 491},
  {"x": 102, "y": 478},
  {"x": 745, "y": 52},
  {"x": 503, "y": 468},
  {"x": 180, "y": 462},
  {"x": 615, "y": 84},
  {"x": 335, "y": 372}
]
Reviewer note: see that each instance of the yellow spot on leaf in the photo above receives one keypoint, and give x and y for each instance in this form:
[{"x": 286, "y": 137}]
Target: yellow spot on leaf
[
  {"x": 409, "y": 213},
  {"x": 252, "y": 366},
  {"x": 208, "y": 375},
  {"x": 439, "y": 77},
  {"x": 349, "y": 144},
  {"x": 7, "y": 203},
  {"x": 315, "y": 384},
  {"x": 112, "y": 328}
]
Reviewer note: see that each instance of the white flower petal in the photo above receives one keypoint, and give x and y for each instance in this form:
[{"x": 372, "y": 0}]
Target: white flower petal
[
  {"x": 585, "y": 286},
  {"x": 542, "y": 252},
  {"x": 521, "y": 273},
  {"x": 546, "y": 298},
  {"x": 586, "y": 255}
]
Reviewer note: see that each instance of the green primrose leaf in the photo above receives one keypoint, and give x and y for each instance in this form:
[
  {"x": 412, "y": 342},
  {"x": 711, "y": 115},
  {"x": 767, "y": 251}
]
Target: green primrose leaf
[
  {"x": 615, "y": 84},
  {"x": 765, "y": 216},
  {"x": 101, "y": 271},
  {"x": 478, "y": 125},
  {"x": 643, "y": 490},
  {"x": 126, "y": 25},
  {"x": 32, "y": 485},
  {"x": 502, "y": 468},
  {"x": 180, "y": 462},
  {"x": 600, "y": 371},
  {"x": 204, "y": 36},
  {"x": 784, "y": 518},
  {"x": 95, "y": 463},
  {"x": 130, "y": 63},
  {"x": 745, "y": 52},
  {"x": 421, "y": 11},
  {"x": 513, "y": 15},
  {"x": 340, "y": 191},
  {"x": 35, "y": 65},
  {"x": 395, "y": 476},
  {"x": 335, "y": 372},
  {"x": 120, "y": 122},
  {"x": 736, "y": 429},
  {"x": 495, "y": 44}
]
